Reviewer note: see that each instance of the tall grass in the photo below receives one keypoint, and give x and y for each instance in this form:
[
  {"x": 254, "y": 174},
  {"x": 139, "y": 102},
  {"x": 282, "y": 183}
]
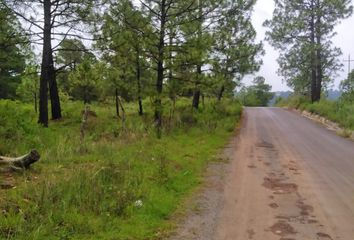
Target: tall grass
[
  {"x": 340, "y": 111},
  {"x": 125, "y": 185}
]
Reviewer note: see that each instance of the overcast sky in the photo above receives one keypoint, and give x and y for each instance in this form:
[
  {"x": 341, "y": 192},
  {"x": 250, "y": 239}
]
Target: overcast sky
[{"x": 344, "y": 39}]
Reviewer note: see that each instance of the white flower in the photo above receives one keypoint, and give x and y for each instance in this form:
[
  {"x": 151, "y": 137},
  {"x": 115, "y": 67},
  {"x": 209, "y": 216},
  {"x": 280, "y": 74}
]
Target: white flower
[{"x": 138, "y": 203}]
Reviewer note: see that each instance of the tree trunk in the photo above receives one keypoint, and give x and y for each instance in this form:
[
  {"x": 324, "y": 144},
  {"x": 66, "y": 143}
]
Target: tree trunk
[
  {"x": 138, "y": 77},
  {"x": 160, "y": 71},
  {"x": 117, "y": 103},
  {"x": 172, "y": 85},
  {"x": 313, "y": 55},
  {"x": 123, "y": 112},
  {"x": 47, "y": 68},
  {"x": 54, "y": 94},
  {"x": 86, "y": 100},
  {"x": 53, "y": 87},
  {"x": 196, "y": 95},
  {"x": 23, "y": 162},
  {"x": 221, "y": 92},
  {"x": 196, "y": 98},
  {"x": 318, "y": 56}
]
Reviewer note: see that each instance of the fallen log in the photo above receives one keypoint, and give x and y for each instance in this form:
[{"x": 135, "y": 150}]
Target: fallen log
[{"x": 23, "y": 162}]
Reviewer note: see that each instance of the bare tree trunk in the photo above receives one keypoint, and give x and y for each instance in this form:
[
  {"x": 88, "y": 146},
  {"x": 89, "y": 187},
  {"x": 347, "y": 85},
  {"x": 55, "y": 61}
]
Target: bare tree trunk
[
  {"x": 313, "y": 55},
  {"x": 196, "y": 98},
  {"x": 123, "y": 112},
  {"x": 196, "y": 95},
  {"x": 54, "y": 95},
  {"x": 160, "y": 70},
  {"x": 138, "y": 77},
  {"x": 46, "y": 66},
  {"x": 23, "y": 162},
  {"x": 221, "y": 92},
  {"x": 117, "y": 103},
  {"x": 318, "y": 55}
]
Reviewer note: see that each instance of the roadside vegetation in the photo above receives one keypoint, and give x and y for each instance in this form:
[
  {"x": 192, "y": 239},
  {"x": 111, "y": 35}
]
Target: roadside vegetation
[
  {"x": 340, "y": 111},
  {"x": 256, "y": 95},
  {"x": 125, "y": 101},
  {"x": 116, "y": 183}
]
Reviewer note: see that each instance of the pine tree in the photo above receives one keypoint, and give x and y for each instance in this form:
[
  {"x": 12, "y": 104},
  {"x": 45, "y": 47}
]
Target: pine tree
[
  {"x": 125, "y": 51},
  {"x": 235, "y": 51},
  {"x": 13, "y": 53},
  {"x": 303, "y": 31},
  {"x": 29, "y": 88},
  {"x": 48, "y": 20}
]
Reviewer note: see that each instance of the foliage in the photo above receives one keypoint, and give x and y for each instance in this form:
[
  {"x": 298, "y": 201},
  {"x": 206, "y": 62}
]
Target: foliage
[
  {"x": 303, "y": 30},
  {"x": 71, "y": 52},
  {"x": 29, "y": 88},
  {"x": 83, "y": 81},
  {"x": 13, "y": 53},
  {"x": 258, "y": 94},
  {"x": 235, "y": 51},
  {"x": 347, "y": 87},
  {"x": 125, "y": 53}
]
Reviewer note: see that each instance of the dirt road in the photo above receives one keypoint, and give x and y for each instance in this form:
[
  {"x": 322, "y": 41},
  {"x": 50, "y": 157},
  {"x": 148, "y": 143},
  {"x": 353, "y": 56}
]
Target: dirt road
[{"x": 289, "y": 179}]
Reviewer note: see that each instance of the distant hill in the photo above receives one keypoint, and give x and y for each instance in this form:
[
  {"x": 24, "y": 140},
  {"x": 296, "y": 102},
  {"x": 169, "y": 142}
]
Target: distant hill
[
  {"x": 333, "y": 94},
  {"x": 282, "y": 94}
]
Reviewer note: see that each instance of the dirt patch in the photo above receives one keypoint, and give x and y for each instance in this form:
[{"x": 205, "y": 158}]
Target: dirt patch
[
  {"x": 201, "y": 224},
  {"x": 305, "y": 209},
  {"x": 278, "y": 186},
  {"x": 7, "y": 181},
  {"x": 282, "y": 228},
  {"x": 273, "y": 205},
  {"x": 250, "y": 233},
  {"x": 264, "y": 144},
  {"x": 312, "y": 221},
  {"x": 324, "y": 236}
]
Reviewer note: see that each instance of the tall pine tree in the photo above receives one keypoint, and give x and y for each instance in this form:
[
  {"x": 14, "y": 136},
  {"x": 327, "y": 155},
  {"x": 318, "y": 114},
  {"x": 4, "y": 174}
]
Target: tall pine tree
[{"x": 302, "y": 30}]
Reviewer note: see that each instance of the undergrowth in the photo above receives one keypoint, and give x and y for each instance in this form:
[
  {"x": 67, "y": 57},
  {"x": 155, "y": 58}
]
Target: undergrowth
[{"x": 118, "y": 182}]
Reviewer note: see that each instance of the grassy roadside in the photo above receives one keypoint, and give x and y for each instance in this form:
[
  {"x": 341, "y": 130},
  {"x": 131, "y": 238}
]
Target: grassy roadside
[
  {"x": 118, "y": 183},
  {"x": 339, "y": 111}
]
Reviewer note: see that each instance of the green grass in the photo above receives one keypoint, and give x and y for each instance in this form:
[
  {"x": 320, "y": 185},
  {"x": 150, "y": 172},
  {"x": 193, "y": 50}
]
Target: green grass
[
  {"x": 340, "y": 111},
  {"x": 118, "y": 183}
]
